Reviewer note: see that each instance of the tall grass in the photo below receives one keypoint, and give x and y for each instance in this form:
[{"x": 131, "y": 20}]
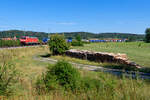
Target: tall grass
[
  {"x": 111, "y": 88},
  {"x": 108, "y": 87},
  {"x": 9, "y": 43}
]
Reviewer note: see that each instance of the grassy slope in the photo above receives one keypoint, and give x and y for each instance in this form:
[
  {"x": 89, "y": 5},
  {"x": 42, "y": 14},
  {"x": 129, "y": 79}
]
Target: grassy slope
[
  {"x": 116, "y": 89},
  {"x": 136, "y": 51},
  {"x": 28, "y": 68}
]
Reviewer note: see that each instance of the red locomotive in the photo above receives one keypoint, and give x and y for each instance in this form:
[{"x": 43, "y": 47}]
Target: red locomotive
[{"x": 26, "y": 40}]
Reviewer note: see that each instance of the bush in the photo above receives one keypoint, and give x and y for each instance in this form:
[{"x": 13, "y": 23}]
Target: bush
[
  {"x": 7, "y": 79},
  {"x": 77, "y": 43},
  {"x": 61, "y": 75},
  {"x": 78, "y": 37},
  {"x": 58, "y": 44}
]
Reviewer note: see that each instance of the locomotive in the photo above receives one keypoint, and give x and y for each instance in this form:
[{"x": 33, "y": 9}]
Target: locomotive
[{"x": 26, "y": 40}]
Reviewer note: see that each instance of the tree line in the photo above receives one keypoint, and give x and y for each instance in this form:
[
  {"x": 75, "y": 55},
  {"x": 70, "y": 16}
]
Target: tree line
[
  {"x": 147, "y": 36},
  {"x": 84, "y": 35}
]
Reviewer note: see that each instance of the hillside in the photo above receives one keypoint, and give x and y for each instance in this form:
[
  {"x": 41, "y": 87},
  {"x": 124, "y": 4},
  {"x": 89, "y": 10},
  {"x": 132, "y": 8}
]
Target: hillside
[
  {"x": 19, "y": 33},
  {"x": 84, "y": 35},
  {"x": 87, "y": 35}
]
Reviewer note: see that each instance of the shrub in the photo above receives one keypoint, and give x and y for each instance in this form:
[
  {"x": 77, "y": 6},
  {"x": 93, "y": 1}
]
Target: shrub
[
  {"x": 78, "y": 37},
  {"x": 8, "y": 78},
  {"x": 77, "y": 43},
  {"x": 61, "y": 75},
  {"x": 58, "y": 44}
]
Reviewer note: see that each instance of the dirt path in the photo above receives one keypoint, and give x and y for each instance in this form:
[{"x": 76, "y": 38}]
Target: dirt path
[{"x": 116, "y": 72}]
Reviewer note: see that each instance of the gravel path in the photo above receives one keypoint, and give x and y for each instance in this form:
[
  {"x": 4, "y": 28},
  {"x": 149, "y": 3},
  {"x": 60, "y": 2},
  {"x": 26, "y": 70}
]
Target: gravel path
[{"x": 116, "y": 72}]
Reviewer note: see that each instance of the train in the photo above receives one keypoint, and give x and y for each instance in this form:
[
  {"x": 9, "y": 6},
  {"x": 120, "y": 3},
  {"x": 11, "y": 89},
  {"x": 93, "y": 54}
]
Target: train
[
  {"x": 22, "y": 41},
  {"x": 45, "y": 40},
  {"x": 102, "y": 40},
  {"x": 26, "y": 40},
  {"x": 108, "y": 40}
]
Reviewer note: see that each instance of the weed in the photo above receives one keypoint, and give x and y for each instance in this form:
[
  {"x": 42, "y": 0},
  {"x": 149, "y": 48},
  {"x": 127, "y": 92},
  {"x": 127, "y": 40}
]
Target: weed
[{"x": 8, "y": 78}]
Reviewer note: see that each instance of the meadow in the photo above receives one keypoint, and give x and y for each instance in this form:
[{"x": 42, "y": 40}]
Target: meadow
[
  {"x": 110, "y": 87},
  {"x": 138, "y": 52}
]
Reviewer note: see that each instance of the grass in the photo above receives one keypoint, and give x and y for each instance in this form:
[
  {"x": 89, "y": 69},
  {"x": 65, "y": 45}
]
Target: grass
[
  {"x": 113, "y": 88},
  {"x": 138, "y": 52},
  {"x": 28, "y": 68}
]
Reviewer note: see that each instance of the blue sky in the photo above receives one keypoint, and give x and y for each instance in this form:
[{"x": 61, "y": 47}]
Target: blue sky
[{"x": 127, "y": 16}]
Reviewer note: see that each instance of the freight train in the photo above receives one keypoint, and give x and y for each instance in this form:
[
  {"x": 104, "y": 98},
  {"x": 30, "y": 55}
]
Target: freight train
[
  {"x": 108, "y": 40},
  {"x": 45, "y": 40}
]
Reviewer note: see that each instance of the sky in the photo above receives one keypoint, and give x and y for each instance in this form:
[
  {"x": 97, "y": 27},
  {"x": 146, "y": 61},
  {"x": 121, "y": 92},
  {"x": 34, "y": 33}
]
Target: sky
[{"x": 125, "y": 16}]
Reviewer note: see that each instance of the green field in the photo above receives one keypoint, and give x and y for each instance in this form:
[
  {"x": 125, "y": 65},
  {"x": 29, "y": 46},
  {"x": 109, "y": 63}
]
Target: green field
[{"x": 138, "y": 52}]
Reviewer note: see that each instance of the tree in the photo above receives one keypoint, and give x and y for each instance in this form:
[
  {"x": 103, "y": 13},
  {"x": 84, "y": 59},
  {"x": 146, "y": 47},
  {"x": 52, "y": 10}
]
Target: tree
[
  {"x": 147, "y": 36},
  {"x": 77, "y": 42},
  {"x": 78, "y": 37},
  {"x": 131, "y": 39},
  {"x": 58, "y": 44}
]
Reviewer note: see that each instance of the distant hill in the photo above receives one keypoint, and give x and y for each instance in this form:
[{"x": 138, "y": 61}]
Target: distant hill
[
  {"x": 84, "y": 35},
  {"x": 19, "y": 33},
  {"x": 87, "y": 35}
]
